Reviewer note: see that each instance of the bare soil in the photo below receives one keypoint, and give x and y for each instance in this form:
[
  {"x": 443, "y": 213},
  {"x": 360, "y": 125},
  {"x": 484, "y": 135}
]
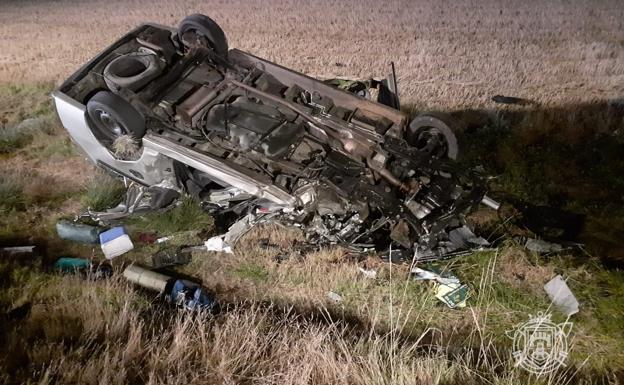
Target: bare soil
[{"x": 449, "y": 54}]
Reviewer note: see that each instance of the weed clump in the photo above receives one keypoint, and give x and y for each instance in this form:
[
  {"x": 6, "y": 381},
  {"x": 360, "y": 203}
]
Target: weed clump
[{"x": 103, "y": 192}]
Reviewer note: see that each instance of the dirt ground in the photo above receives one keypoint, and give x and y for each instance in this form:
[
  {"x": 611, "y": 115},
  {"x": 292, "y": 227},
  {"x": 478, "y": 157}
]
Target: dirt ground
[{"x": 449, "y": 54}]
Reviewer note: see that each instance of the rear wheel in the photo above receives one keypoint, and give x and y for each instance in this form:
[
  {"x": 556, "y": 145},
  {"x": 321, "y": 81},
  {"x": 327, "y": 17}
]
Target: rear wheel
[
  {"x": 199, "y": 29},
  {"x": 434, "y": 133},
  {"x": 112, "y": 117}
]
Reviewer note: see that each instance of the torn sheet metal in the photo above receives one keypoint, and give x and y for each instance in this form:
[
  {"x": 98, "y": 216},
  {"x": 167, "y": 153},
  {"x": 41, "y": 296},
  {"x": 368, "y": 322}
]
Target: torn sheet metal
[
  {"x": 225, "y": 242},
  {"x": 139, "y": 200},
  {"x": 561, "y": 296}
]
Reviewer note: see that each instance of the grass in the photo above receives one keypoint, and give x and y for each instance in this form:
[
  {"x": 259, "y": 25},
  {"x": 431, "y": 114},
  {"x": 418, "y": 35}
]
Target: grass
[
  {"x": 10, "y": 193},
  {"x": 186, "y": 216},
  {"x": 103, "y": 192}
]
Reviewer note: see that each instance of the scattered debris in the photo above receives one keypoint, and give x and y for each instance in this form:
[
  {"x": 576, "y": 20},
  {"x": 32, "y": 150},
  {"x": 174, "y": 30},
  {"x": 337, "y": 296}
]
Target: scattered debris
[
  {"x": 461, "y": 240},
  {"x": 78, "y": 232},
  {"x": 18, "y": 250},
  {"x": 139, "y": 200},
  {"x": 334, "y": 296},
  {"x": 191, "y": 296},
  {"x": 147, "y": 238},
  {"x": 217, "y": 243},
  {"x": 181, "y": 292},
  {"x": 226, "y": 241},
  {"x": 115, "y": 242},
  {"x": 146, "y": 278},
  {"x": 171, "y": 257},
  {"x": 448, "y": 288},
  {"x": 372, "y": 274},
  {"x": 561, "y": 296},
  {"x": 71, "y": 265},
  {"x": 452, "y": 294},
  {"x": 541, "y": 246},
  {"x": 83, "y": 266},
  {"x": 164, "y": 239}
]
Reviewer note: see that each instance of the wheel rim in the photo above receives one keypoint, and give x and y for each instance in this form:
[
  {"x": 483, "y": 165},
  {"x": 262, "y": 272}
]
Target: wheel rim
[
  {"x": 432, "y": 141},
  {"x": 110, "y": 123}
]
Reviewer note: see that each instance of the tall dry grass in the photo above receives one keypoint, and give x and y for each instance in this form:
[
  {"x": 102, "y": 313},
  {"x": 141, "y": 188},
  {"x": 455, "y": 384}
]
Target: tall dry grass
[{"x": 106, "y": 332}]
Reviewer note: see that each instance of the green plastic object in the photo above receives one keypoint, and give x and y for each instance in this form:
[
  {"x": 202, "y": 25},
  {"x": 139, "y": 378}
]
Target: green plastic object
[
  {"x": 70, "y": 265},
  {"x": 78, "y": 232}
]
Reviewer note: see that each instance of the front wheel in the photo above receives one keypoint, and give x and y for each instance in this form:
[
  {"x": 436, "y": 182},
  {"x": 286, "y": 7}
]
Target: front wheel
[
  {"x": 434, "y": 133},
  {"x": 112, "y": 117}
]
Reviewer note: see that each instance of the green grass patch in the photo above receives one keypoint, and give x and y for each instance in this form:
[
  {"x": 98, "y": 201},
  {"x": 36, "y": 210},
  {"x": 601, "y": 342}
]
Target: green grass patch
[
  {"x": 103, "y": 192},
  {"x": 253, "y": 272},
  {"x": 11, "y": 193},
  {"x": 186, "y": 216}
]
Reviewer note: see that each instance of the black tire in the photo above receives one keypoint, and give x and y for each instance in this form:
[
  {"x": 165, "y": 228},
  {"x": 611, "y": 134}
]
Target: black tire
[
  {"x": 434, "y": 133},
  {"x": 131, "y": 71},
  {"x": 204, "y": 26},
  {"x": 112, "y": 116}
]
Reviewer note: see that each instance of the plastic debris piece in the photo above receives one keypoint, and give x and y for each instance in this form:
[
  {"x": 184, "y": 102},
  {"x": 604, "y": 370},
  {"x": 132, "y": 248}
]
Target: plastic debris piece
[
  {"x": 561, "y": 296},
  {"x": 78, "y": 232},
  {"x": 372, "y": 274},
  {"x": 541, "y": 246},
  {"x": 71, "y": 265},
  {"x": 84, "y": 266},
  {"x": 146, "y": 278},
  {"x": 163, "y": 239},
  {"x": 334, "y": 296},
  {"x": 18, "y": 250},
  {"x": 191, "y": 295},
  {"x": 217, "y": 243},
  {"x": 115, "y": 242}
]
